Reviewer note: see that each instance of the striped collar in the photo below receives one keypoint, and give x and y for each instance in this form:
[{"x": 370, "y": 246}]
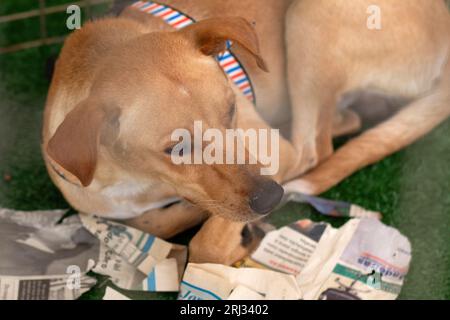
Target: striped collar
[{"x": 228, "y": 61}]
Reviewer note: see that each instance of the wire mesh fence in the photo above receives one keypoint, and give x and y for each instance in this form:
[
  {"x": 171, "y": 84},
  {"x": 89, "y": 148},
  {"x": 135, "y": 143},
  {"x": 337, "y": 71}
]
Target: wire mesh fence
[{"x": 41, "y": 11}]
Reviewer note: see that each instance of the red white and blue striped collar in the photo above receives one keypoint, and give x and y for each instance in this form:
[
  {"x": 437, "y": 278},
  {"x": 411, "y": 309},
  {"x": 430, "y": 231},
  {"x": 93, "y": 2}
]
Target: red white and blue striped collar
[{"x": 228, "y": 61}]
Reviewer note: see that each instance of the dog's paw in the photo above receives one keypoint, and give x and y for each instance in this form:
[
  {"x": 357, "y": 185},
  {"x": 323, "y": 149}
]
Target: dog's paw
[
  {"x": 226, "y": 242},
  {"x": 308, "y": 159},
  {"x": 200, "y": 252},
  {"x": 218, "y": 241},
  {"x": 346, "y": 122}
]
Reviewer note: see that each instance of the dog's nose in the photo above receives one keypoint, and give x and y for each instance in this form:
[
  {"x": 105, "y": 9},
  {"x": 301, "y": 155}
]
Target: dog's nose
[{"x": 266, "y": 197}]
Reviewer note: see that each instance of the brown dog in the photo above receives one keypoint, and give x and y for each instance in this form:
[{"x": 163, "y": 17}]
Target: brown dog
[{"x": 122, "y": 85}]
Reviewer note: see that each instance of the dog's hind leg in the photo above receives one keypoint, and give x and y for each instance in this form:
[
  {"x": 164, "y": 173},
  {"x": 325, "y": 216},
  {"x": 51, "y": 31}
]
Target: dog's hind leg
[
  {"x": 346, "y": 122},
  {"x": 408, "y": 125}
]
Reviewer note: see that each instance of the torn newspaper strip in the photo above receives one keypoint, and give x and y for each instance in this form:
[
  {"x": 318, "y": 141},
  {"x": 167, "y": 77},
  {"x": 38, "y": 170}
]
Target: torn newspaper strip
[
  {"x": 43, "y": 287},
  {"x": 218, "y": 282},
  {"x": 365, "y": 259},
  {"x": 112, "y": 294},
  {"x": 36, "y": 254},
  {"x": 136, "y": 260},
  {"x": 362, "y": 260},
  {"x": 332, "y": 208},
  {"x": 41, "y": 259}
]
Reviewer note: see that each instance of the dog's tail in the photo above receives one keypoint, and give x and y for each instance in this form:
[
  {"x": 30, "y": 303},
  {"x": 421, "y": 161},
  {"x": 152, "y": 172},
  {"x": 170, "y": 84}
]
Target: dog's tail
[{"x": 407, "y": 126}]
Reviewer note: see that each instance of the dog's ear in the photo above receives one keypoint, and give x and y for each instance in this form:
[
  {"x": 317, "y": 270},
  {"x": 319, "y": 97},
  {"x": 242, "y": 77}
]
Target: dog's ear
[
  {"x": 74, "y": 146},
  {"x": 211, "y": 36}
]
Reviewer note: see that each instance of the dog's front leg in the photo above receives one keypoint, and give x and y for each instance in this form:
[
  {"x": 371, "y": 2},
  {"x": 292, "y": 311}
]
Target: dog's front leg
[
  {"x": 166, "y": 223},
  {"x": 410, "y": 124},
  {"x": 224, "y": 242},
  {"x": 315, "y": 83}
]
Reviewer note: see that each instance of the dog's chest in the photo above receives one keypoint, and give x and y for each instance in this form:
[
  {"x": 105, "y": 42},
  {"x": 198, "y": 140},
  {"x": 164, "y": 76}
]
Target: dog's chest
[
  {"x": 131, "y": 199},
  {"x": 124, "y": 190}
]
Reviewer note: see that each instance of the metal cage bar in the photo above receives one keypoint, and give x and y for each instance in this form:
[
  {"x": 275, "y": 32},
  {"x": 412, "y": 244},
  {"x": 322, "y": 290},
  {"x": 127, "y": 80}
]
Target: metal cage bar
[{"x": 42, "y": 13}]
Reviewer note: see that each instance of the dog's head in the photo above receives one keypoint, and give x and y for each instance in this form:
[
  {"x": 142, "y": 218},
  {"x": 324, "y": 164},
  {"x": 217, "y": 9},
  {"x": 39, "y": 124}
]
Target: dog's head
[{"x": 147, "y": 89}]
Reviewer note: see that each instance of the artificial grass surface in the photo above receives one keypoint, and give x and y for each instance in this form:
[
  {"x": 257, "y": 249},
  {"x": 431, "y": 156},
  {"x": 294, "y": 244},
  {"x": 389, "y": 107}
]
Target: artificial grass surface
[{"x": 411, "y": 188}]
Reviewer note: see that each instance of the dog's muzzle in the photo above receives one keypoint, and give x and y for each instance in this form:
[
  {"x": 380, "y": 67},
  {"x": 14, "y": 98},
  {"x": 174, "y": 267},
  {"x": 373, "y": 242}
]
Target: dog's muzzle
[{"x": 266, "y": 197}]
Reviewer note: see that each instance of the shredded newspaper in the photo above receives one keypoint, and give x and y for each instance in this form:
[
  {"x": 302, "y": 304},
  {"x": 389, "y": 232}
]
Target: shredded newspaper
[
  {"x": 44, "y": 259},
  {"x": 364, "y": 259}
]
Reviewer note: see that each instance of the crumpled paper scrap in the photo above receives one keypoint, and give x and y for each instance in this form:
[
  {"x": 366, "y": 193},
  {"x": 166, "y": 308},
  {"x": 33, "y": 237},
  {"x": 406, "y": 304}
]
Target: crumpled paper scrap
[
  {"x": 218, "y": 282},
  {"x": 364, "y": 259},
  {"x": 43, "y": 259},
  {"x": 135, "y": 259}
]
